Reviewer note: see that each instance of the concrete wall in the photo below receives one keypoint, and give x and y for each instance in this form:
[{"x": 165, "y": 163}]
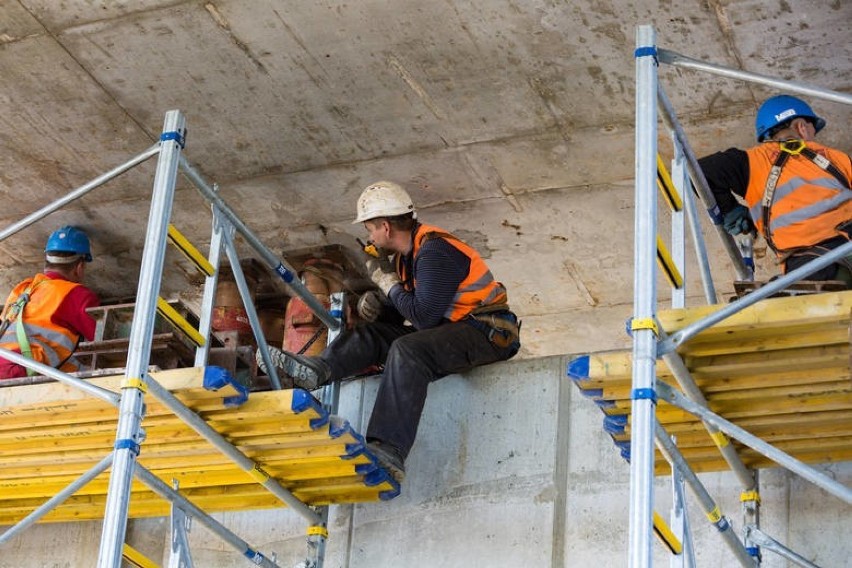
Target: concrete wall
[{"x": 511, "y": 468}]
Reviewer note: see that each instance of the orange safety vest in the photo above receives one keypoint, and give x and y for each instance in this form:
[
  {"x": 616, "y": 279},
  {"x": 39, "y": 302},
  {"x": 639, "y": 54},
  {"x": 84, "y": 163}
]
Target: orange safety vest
[
  {"x": 477, "y": 292},
  {"x": 809, "y": 203},
  {"x": 51, "y": 344}
]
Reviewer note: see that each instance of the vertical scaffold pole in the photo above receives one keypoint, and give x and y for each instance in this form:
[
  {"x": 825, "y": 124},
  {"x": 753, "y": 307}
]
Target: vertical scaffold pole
[
  {"x": 644, "y": 302},
  {"x": 131, "y": 409}
]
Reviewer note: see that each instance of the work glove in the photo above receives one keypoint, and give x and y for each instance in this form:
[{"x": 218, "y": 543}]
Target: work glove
[
  {"x": 370, "y": 306},
  {"x": 382, "y": 274},
  {"x": 737, "y": 221}
]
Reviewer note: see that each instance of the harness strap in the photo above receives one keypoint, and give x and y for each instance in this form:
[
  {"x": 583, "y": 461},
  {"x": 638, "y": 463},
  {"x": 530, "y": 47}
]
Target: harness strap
[
  {"x": 792, "y": 148},
  {"x": 16, "y": 310}
]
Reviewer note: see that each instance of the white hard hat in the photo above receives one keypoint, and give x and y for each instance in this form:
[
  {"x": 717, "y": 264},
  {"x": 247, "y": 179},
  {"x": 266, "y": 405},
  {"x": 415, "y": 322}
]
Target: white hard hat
[{"x": 383, "y": 199}]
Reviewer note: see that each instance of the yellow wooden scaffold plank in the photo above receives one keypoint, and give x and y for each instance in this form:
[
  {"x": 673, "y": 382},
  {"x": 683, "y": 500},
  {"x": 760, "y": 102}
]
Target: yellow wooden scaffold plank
[
  {"x": 50, "y": 435},
  {"x": 780, "y": 369}
]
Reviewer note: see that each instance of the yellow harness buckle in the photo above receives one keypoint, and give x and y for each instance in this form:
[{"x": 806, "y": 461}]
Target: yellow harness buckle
[{"x": 793, "y": 147}]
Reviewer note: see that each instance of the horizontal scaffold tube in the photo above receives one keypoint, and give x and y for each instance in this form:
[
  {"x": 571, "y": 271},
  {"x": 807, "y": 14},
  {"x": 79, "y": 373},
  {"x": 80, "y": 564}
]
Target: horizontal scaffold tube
[
  {"x": 48, "y": 371},
  {"x": 223, "y": 445},
  {"x": 678, "y": 60},
  {"x": 281, "y": 268},
  {"x": 708, "y": 505},
  {"x": 166, "y": 492},
  {"x": 752, "y": 298},
  {"x": 78, "y": 193},
  {"x": 834, "y": 487}
]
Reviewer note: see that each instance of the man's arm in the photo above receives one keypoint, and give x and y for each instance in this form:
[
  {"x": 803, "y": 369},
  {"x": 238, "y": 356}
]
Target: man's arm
[
  {"x": 72, "y": 312},
  {"x": 440, "y": 268},
  {"x": 727, "y": 175}
]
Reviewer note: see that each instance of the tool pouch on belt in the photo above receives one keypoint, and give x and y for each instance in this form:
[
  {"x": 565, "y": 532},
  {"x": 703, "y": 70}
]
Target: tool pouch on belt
[{"x": 502, "y": 328}]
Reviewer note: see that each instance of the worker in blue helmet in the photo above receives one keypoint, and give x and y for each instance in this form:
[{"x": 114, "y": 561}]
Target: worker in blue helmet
[
  {"x": 45, "y": 316},
  {"x": 793, "y": 191}
]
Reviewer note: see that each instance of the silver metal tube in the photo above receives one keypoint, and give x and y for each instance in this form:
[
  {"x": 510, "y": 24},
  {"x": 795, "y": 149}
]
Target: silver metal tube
[
  {"x": 208, "y": 298},
  {"x": 687, "y": 384},
  {"x": 77, "y": 193},
  {"x": 245, "y": 294},
  {"x": 752, "y": 298},
  {"x": 644, "y": 302},
  {"x": 768, "y": 543},
  {"x": 219, "y": 442},
  {"x": 157, "y": 486},
  {"x": 674, "y": 457},
  {"x": 785, "y": 460},
  {"x": 700, "y": 183},
  {"x": 281, "y": 268},
  {"x": 48, "y": 371},
  {"x": 57, "y": 499},
  {"x": 678, "y": 60},
  {"x": 700, "y": 248},
  {"x": 131, "y": 408}
]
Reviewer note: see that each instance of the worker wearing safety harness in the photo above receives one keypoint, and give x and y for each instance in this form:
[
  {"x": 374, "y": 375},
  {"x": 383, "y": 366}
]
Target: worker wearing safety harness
[
  {"x": 45, "y": 316},
  {"x": 459, "y": 316},
  {"x": 797, "y": 191}
]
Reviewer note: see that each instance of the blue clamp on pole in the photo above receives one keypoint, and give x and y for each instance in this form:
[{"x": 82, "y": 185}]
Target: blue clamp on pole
[
  {"x": 645, "y": 52},
  {"x": 285, "y": 274},
  {"x": 173, "y": 135},
  {"x": 644, "y": 394},
  {"x": 127, "y": 444}
]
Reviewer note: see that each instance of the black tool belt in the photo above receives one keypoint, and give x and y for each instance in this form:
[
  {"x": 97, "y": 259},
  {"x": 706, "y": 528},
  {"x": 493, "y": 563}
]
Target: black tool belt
[{"x": 501, "y": 327}]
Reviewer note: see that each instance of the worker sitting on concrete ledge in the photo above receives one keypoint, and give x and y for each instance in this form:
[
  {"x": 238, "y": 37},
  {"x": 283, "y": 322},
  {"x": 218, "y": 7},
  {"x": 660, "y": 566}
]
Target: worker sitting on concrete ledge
[
  {"x": 459, "y": 317},
  {"x": 45, "y": 316},
  {"x": 797, "y": 191}
]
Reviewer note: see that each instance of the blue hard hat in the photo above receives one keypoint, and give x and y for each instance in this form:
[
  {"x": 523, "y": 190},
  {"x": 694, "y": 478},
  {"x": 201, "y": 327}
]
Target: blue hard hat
[
  {"x": 780, "y": 109},
  {"x": 69, "y": 239}
]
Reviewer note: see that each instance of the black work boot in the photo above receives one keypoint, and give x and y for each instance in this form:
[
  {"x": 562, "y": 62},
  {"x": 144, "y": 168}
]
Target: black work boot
[
  {"x": 389, "y": 458},
  {"x": 307, "y": 372}
]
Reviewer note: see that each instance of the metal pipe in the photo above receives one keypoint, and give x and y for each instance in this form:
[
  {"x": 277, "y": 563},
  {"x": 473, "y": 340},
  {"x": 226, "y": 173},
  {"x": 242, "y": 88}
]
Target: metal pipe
[
  {"x": 711, "y": 510},
  {"x": 208, "y": 298},
  {"x": 48, "y": 371},
  {"x": 245, "y": 294},
  {"x": 281, "y": 268},
  {"x": 785, "y": 460},
  {"x": 132, "y": 407},
  {"x": 700, "y": 248},
  {"x": 678, "y": 60},
  {"x": 223, "y": 445},
  {"x": 644, "y": 302},
  {"x": 752, "y": 298},
  {"x": 687, "y": 384},
  {"x": 768, "y": 543},
  {"x": 78, "y": 193},
  {"x": 700, "y": 184},
  {"x": 58, "y": 499},
  {"x": 166, "y": 492}
]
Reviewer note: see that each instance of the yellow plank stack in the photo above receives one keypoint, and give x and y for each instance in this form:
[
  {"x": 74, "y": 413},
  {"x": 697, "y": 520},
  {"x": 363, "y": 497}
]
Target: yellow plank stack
[
  {"x": 51, "y": 433},
  {"x": 779, "y": 369}
]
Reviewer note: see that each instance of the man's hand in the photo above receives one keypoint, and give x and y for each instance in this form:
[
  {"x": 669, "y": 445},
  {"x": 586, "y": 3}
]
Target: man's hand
[
  {"x": 370, "y": 306},
  {"x": 382, "y": 274},
  {"x": 737, "y": 221}
]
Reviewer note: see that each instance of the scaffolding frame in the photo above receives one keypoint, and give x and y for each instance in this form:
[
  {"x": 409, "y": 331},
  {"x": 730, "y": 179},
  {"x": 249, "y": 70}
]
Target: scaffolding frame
[
  {"x": 651, "y": 343},
  {"x": 129, "y": 434}
]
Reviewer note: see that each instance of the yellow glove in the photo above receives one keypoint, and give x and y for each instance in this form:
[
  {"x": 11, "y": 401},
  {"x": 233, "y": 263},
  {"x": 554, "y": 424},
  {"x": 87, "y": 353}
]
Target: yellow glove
[{"x": 381, "y": 276}]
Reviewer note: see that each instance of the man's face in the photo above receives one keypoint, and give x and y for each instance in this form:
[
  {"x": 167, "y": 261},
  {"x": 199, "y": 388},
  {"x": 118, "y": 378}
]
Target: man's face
[{"x": 379, "y": 232}]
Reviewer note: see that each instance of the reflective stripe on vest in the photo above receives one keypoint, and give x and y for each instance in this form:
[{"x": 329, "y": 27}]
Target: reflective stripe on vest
[
  {"x": 809, "y": 203},
  {"x": 51, "y": 344},
  {"x": 477, "y": 290}
]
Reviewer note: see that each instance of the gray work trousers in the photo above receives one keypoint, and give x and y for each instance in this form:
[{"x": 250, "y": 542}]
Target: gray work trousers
[{"x": 412, "y": 359}]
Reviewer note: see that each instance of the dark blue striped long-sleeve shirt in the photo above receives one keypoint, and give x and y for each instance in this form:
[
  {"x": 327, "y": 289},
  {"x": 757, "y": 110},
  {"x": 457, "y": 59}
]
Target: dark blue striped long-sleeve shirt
[{"x": 439, "y": 269}]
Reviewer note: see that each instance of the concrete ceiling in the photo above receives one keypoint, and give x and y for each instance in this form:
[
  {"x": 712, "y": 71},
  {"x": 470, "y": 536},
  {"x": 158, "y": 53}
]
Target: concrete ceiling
[{"x": 510, "y": 122}]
